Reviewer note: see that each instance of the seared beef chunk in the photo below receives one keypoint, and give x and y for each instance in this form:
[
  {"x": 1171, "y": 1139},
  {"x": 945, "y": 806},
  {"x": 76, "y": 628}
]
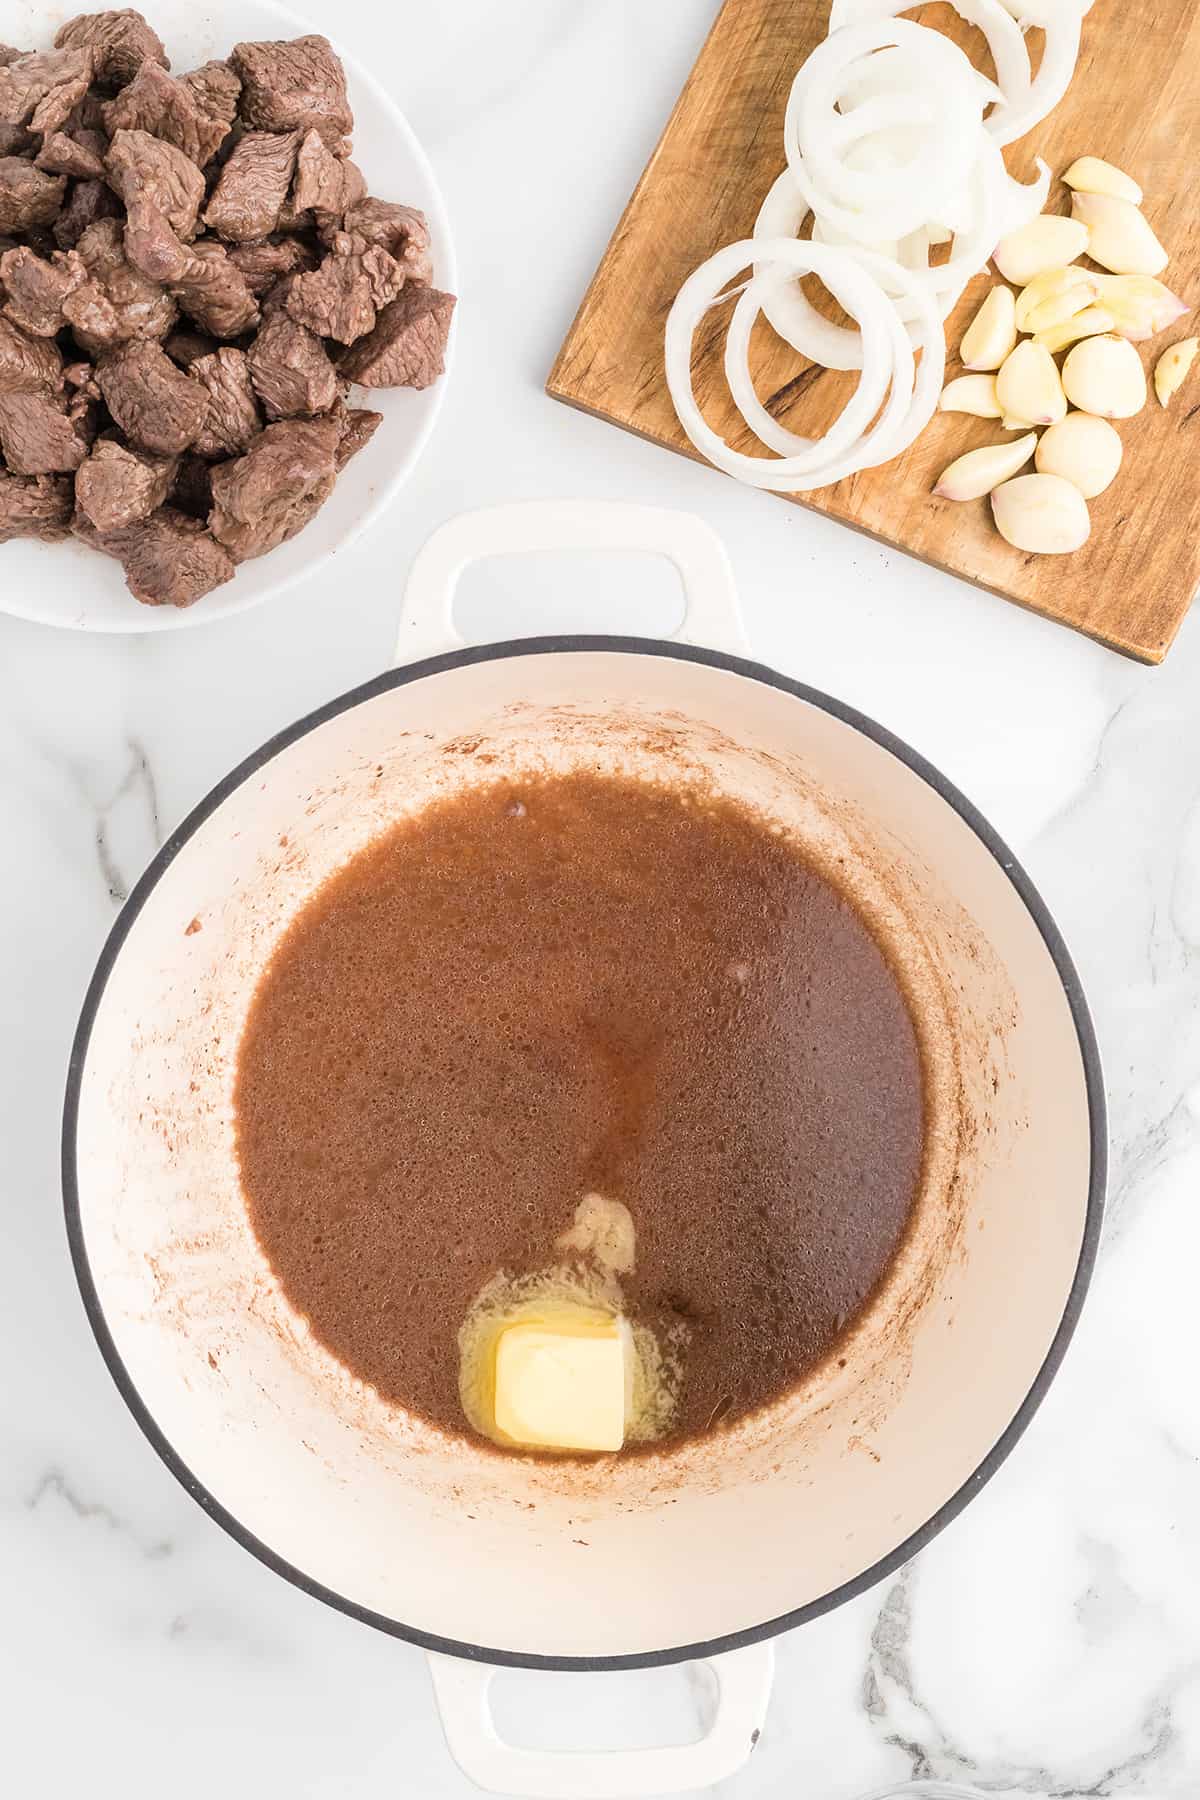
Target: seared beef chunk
[
  {"x": 87, "y": 202},
  {"x": 263, "y": 262},
  {"x": 208, "y": 287},
  {"x": 155, "y": 404},
  {"x": 120, "y": 42},
  {"x": 148, "y": 169},
  {"x": 408, "y": 346},
  {"x": 37, "y": 437},
  {"x": 130, "y": 197},
  {"x": 27, "y": 196},
  {"x": 252, "y": 186},
  {"x": 233, "y": 417},
  {"x": 27, "y": 364},
  {"x": 42, "y": 90},
  {"x": 192, "y": 489},
  {"x": 180, "y": 112},
  {"x": 169, "y": 559},
  {"x": 40, "y": 508},
  {"x": 266, "y": 496},
  {"x": 187, "y": 347},
  {"x": 325, "y": 183},
  {"x": 340, "y": 299},
  {"x": 295, "y": 83},
  {"x": 290, "y": 369},
  {"x": 79, "y": 153},
  {"x": 36, "y": 288},
  {"x": 117, "y": 304},
  {"x": 117, "y": 486},
  {"x": 358, "y": 428},
  {"x": 400, "y": 230}
]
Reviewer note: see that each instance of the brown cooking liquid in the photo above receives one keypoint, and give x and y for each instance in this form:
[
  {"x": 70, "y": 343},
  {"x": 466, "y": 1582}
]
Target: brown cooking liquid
[{"x": 580, "y": 984}]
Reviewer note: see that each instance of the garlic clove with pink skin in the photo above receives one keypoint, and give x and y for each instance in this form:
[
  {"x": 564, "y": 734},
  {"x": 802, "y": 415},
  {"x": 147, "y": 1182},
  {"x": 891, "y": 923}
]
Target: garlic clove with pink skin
[
  {"x": 1043, "y": 514},
  {"x": 1055, "y": 295},
  {"x": 1028, "y": 385},
  {"x": 1119, "y": 237},
  {"x": 1140, "y": 305}
]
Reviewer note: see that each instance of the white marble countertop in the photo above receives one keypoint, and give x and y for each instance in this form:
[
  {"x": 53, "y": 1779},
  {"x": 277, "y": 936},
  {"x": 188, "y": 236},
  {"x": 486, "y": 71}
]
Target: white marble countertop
[{"x": 1049, "y": 1642}]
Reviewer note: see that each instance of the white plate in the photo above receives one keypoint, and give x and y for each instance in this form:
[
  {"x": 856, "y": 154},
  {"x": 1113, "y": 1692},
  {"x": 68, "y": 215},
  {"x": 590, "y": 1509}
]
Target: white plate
[{"x": 70, "y": 586}]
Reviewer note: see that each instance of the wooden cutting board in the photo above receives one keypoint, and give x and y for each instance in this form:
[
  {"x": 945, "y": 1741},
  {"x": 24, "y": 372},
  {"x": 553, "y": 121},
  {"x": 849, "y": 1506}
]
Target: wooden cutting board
[{"x": 1135, "y": 101}]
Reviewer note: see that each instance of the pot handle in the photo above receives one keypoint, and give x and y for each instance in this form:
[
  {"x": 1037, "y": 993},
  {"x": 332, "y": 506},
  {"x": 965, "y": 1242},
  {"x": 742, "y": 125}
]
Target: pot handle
[
  {"x": 712, "y": 618},
  {"x": 744, "y": 1680}
]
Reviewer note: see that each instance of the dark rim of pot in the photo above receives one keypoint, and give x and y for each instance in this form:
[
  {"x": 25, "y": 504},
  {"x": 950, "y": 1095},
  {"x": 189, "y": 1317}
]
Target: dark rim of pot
[{"x": 557, "y": 646}]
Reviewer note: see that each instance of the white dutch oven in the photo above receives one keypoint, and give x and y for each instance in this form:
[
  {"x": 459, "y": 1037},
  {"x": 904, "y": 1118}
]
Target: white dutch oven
[{"x": 709, "y": 1552}]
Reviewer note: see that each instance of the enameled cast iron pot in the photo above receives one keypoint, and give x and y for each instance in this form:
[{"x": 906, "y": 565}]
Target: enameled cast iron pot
[{"x": 713, "y": 1551}]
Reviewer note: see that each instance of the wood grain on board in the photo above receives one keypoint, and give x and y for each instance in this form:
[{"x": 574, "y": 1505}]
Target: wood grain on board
[{"x": 1135, "y": 101}]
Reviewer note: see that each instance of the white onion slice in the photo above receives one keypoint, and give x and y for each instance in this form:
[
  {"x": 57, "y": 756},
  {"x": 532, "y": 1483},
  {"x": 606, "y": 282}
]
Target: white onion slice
[
  {"x": 856, "y": 276},
  {"x": 1004, "y": 39},
  {"x": 1060, "y": 53},
  {"x": 888, "y": 202}
]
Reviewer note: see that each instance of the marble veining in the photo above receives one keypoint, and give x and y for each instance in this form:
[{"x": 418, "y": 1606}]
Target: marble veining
[{"x": 1047, "y": 1645}]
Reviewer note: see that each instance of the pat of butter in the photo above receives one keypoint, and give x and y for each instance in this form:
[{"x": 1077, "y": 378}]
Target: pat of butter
[{"x": 561, "y": 1381}]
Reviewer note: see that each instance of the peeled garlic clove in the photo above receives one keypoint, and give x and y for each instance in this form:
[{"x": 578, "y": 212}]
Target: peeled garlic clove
[
  {"x": 992, "y": 332},
  {"x": 1084, "y": 450},
  {"x": 1047, "y": 242},
  {"x": 1041, "y": 513},
  {"x": 1028, "y": 386},
  {"x": 1140, "y": 305},
  {"x": 1093, "y": 176},
  {"x": 1119, "y": 237},
  {"x": 1172, "y": 367},
  {"x": 1104, "y": 375},
  {"x": 1068, "y": 290},
  {"x": 971, "y": 394},
  {"x": 1088, "y": 323},
  {"x": 972, "y": 476}
]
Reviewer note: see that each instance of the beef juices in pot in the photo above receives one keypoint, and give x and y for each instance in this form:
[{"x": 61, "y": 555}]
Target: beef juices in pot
[{"x": 575, "y": 1063}]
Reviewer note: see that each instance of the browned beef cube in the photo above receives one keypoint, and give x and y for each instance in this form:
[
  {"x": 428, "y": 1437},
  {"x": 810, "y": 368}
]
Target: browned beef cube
[
  {"x": 27, "y": 196},
  {"x": 253, "y": 186},
  {"x": 120, "y": 42},
  {"x": 297, "y": 82},
  {"x": 169, "y": 559},
  {"x": 117, "y": 486},
  {"x": 325, "y": 183},
  {"x": 263, "y": 262},
  {"x": 149, "y": 169},
  {"x": 358, "y": 428},
  {"x": 402, "y": 231},
  {"x": 216, "y": 89},
  {"x": 41, "y": 90},
  {"x": 233, "y": 416},
  {"x": 176, "y": 111},
  {"x": 79, "y": 153},
  {"x": 117, "y": 304},
  {"x": 87, "y": 202},
  {"x": 290, "y": 369},
  {"x": 36, "y": 288},
  {"x": 40, "y": 508},
  {"x": 408, "y": 346},
  {"x": 156, "y": 405},
  {"x": 341, "y": 298},
  {"x": 37, "y": 437},
  {"x": 208, "y": 287},
  {"x": 27, "y": 364},
  {"x": 16, "y": 141},
  {"x": 187, "y": 347},
  {"x": 192, "y": 489},
  {"x": 266, "y": 496}
]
